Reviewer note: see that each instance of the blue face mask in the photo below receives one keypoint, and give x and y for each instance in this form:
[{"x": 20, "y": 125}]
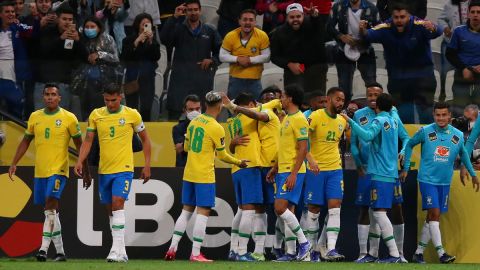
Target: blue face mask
[{"x": 91, "y": 33}]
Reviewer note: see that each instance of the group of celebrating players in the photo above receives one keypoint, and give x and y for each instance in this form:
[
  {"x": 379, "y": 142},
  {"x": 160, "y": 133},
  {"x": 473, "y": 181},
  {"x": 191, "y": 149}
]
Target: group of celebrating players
[{"x": 281, "y": 158}]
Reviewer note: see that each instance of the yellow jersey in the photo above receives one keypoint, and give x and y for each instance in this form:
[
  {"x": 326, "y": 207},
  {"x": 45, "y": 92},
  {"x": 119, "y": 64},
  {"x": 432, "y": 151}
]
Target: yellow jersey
[
  {"x": 269, "y": 135},
  {"x": 258, "y": 41},
  {"x": 244, "y": 125},
  {"x": 115, "y": 133},
  {"x": 294, "y": 128},
  {"x": 52, "y": 133},
  {"x": 325, "y": 134},
  {"x": 205, "y": 136}
]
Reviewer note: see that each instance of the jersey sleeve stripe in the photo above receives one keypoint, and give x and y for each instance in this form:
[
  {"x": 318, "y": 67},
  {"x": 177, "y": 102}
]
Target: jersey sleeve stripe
[
  {"x": 77, "y": 135},
  {"x": 91, "y": 130},
  {"x": 302, "y": 139},
  {"x": 221, "y": 149}
]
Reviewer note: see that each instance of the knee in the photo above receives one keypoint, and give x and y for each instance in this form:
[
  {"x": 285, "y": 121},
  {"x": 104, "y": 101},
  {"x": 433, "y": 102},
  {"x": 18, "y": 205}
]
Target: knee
[{"x": 118, "y": 204}]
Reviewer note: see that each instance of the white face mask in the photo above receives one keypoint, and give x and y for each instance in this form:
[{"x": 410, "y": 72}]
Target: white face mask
[{"x": 191, "y": 115}]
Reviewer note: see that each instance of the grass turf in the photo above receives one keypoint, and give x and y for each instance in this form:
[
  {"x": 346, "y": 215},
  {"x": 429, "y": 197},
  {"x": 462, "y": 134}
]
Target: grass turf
[{"x": 24, "y": 264}]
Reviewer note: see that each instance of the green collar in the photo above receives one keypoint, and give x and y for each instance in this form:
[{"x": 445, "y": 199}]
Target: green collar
[
  {"x": 326, "y": 112},
  {"x": 117, "y": 111},
  {"x": 51, "y": 113}
]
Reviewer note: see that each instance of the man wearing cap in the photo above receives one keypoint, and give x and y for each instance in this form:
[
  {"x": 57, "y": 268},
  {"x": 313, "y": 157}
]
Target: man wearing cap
[
  {"x": 299, "y": 48},
  {"x": 351, "y": 52}
]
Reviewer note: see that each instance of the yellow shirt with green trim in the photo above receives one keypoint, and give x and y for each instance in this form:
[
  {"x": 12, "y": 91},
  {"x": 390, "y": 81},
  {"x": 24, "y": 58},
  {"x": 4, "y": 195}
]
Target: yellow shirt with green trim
[
  {"x": 115, "y": 132},
  {"x": 294, "y": 128},
  {"x": 52, "y": 133},
  {"x": 325, "y": 134},
  {"x": 269, "y": 135},
  {"x": 205, "y": 136},
  {"x": 244, "y": 125},
  {"x": 258, "y": 41}
]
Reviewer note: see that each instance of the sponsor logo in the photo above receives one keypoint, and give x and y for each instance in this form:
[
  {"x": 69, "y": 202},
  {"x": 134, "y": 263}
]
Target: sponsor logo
[
  {"x": 442, "y": 153},
  {"x": 455, "y": 139}
]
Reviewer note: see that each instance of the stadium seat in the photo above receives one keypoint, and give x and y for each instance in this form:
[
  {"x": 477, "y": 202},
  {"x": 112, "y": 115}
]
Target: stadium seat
[
  {"x": 449, "y": 85},
  {"x": 433, "y": 11},
  {"x": 220, "y": 81},
  {"x": 380, "y": 56},
  {"x": 213, "y": 3},
  {"x": 273, "y": 76},
  {"x": 439, "y": 86},
  {"x": 209, "y": 15},
  {"x": 157, "y": 99},
  {"x": 163, "y": 62},
  {"x": 332, "y": 78},
  {"x": 382, "y": 78},
  {"x": 437, "y": 60},
  {"x": 358, "y": 86}
]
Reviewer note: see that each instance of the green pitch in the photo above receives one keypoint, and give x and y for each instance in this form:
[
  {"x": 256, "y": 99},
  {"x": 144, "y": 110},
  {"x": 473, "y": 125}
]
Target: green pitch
[{"x": 24, "y": 264}]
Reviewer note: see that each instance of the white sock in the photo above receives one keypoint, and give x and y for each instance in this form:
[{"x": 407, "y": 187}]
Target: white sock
[
  {"x": 424, "y": 238},
  {"x": 260, "y": 232},
  {"x": 279, "y": 233},
  {"x": 436, "y": 237},
  {"x": 333, "y": 227},
  {"x": 110, "y": 222},
  {"x": 48, "y": 226},
  {"x": 290, "y": 240},
  {"x": 374, "y": 235},
  {"x": 312, "y": 227},
  {"x": 291, "y": 221},
  {"x": 245, "y": 230},
  {"x": 387, "y": 232},
  {"x": 304, "y": 221},
  {"x": 322, "y": 240},
  {"x": 363, "y": 239},
  {"x": 199, "y": 230},
  {"x": 118, "y": 231},
  {"x": 234, "y": 233},
  {"x": 57, "y": 235},
  {"x": 180, "y": 227},
  {"x": 398, "y": 232}
]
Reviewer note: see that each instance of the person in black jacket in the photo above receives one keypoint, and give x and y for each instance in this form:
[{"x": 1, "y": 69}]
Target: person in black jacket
[
  {"x": 58, "y": 52},
  {"x": 229, "y": 11},
  {"x": 298, "y": 47},
  {"x": 417, "y": 8},
  {"x": 196, "y": 55},
  {"x": 141, "y": 52},
  {"x": 191, "y": 109}
]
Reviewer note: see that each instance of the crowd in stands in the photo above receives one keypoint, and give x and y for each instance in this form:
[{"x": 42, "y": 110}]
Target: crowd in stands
[{"x": 82, "y": 44}]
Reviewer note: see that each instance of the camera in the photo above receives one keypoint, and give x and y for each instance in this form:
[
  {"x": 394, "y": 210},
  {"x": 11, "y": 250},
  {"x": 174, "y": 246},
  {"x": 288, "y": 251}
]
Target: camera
[{"x": 461, "y": 123}]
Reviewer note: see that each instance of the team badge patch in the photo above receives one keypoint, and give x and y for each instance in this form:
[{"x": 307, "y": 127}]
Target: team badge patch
[
  {"x": 122, "y": 121},
  {"x": 455, "y": 139},
  {"x": 386, "y": 126},
  {"x": 58, "y": 122},
  {"x": 363, "y": 121},
  {"x": 253, "y": 49},
  {"x": 432, "y": 136}
]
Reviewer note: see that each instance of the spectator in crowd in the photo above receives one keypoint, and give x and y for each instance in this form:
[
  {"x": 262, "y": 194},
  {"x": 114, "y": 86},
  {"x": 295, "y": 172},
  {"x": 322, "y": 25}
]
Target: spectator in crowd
[
  {"x": 58, "y": 54},
  {"x": 298, "y": 47},
  {"x": 417, "y": 8},
  {"x": 324, "y": 7},
  {"x": 196, "y": 55},
  {"x": 167, "y": 9},
  {"x": 138, "y": 7},
  {"x": 19, "y": 8},
  {"x": 454, "y": 13},
  {"x": 113, "y": 14},
  {"x": 141, "y": 53},
  {"x": 191, "y": 109},
  {"x": 464, "y": 54},
  {"x": 14, "y": 65},
  {"x": 100, "y": 66},
  {"x": 351, "y": 52},
  {"x": 43, "y": 11},
  {"x": 273, "y": 12},
  {"x": 408, "y": 56},
  {"x": 245, "y": 49},
  {"x": 470, "y": 114},
  {"x": 229, "y": 12}
]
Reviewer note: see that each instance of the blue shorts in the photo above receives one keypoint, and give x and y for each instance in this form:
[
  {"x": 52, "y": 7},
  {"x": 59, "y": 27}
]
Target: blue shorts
[
  {"x": 381, "y": 195},
  {"x": 198, "y": 194},
  {"x": 115, "y": 184},
  {"x": 248, "y": 186},
  {"x": 268, "y": 189},
  {"x": 397, "y": 193},
  {"x": 362, "y": 197},
  {"x": 326, "y": 185},
  {"x": 49, "y": 187},
  {"x": 281, "y": 192},
  {"x": 434, "y": 196}
]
